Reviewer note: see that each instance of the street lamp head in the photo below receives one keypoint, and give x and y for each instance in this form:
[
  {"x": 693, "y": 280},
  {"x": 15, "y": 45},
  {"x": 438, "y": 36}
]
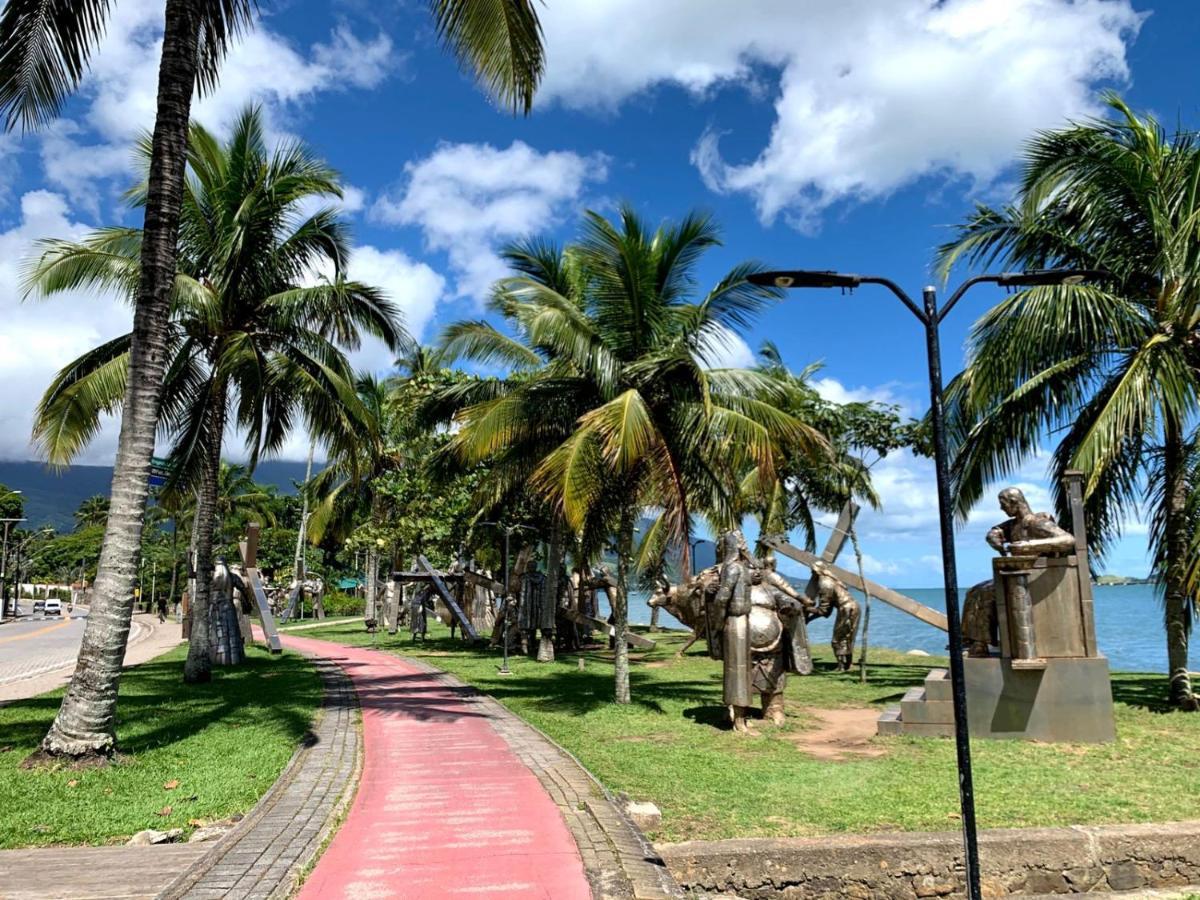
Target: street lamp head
[
  {"x": 1035, "y": 277},
  {"x": 805, "y": 278}
]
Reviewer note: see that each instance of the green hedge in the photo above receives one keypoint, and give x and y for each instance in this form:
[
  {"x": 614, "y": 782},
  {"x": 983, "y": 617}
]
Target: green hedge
[{"x": 340, "y": 604}]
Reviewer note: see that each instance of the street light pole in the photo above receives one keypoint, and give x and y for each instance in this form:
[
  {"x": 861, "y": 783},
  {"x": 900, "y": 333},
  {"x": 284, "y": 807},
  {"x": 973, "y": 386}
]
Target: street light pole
[
  {"x": 931, "y": 318},
  {"x": 508, "y": 532},
  {"x": 962, "y": 737}
]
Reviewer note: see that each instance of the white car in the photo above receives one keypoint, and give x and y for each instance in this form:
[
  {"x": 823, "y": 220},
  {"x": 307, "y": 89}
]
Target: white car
[{"x": 53, "y": 607}]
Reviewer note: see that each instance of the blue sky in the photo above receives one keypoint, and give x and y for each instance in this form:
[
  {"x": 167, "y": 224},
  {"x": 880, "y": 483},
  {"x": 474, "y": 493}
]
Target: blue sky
[{"x": 823, "y": 135}]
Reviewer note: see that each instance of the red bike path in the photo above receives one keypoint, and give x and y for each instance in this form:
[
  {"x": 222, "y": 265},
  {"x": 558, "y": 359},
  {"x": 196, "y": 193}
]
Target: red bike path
[{"x": 444, "y": 807}]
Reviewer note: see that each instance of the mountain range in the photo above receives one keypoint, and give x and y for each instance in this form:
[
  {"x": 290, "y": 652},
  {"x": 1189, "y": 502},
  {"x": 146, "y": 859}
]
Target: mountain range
[{"x": 51, "y": 496}]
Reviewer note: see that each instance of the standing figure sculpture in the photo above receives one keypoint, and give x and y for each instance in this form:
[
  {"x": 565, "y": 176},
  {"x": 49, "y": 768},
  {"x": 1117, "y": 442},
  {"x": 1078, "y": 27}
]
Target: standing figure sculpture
[
  {"x": 228, "y": 644},
  {"x": 732, "y": 602},
  {"x": 1024, "y": 533},
  {"x": 760, "y": 638},
  {"x": 831, "y": 595}
]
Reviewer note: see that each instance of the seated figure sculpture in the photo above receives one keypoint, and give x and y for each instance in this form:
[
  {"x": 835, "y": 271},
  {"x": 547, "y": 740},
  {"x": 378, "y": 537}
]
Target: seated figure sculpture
[
  {"x": 1024, "y": 533},
  {"x": 758, "y": 635}
]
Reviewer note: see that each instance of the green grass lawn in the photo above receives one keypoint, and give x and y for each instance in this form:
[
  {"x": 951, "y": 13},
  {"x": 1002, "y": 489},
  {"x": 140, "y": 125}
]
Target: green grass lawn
[
  {"x": 671, "y": 747},
  {"x": 224, "y": 744}
]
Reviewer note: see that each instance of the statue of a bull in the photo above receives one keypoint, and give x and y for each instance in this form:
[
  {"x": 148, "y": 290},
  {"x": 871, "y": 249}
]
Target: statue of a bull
[{"x": 686, "y": 603}]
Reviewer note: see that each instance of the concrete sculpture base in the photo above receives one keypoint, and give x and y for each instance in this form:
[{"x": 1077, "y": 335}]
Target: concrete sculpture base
[{"x": 1068, "y": 700}]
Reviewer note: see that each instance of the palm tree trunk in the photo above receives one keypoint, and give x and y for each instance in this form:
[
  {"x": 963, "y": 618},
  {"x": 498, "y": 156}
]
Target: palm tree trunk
[
  {"x": 620, "y": 605},
  {"x": 372, "y": 569},
  {"x": 1176, "y": 607},
  {"x": 554, "y": 560},
  {"x": 174, "y": 561},
  {"x": 198, "y": 667},
  {"x": 86, "y": 720}
]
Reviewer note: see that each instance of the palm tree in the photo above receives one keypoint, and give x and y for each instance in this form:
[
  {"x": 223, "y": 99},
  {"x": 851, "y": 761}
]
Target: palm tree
[
  {"x": 92, "y": 511},
  {"x": 45, "y": 49},
  {"x": 614, "y": 408},
  {"x": 246, "y": 341},
  {"x": 1111, "y": 371},
  {"x": 347, "y": 490}
]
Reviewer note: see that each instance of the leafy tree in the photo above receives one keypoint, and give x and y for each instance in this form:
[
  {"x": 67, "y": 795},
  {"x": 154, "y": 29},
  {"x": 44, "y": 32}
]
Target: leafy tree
[
  {"x": 92, "y": 511},
  {"x": 45, "y": 49},
  {"x": 12, "y": 503},
  {"x": 621, "y": 410},
  {"x": 1109, "y": 370}
]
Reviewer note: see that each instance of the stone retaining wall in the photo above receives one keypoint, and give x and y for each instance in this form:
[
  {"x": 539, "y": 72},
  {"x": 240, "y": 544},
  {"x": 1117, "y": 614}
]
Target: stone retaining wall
[{"x": 1013, "y": 861}]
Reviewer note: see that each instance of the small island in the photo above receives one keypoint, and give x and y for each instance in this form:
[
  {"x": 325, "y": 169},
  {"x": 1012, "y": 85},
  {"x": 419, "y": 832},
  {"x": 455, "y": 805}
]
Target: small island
[{"x": 1109, "y": 580}]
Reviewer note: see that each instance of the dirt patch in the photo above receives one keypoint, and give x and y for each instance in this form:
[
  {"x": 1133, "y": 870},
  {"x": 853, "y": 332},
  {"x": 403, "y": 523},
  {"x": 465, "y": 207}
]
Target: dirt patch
[{"x": 840, "y": 734}]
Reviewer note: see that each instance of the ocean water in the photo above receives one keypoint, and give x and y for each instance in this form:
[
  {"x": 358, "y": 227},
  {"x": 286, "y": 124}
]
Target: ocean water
[{"x": 1129, "y": 626}]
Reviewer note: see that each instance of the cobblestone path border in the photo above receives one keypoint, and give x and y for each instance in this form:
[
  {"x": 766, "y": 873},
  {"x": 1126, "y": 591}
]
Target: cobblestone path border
[
  {"x": 265, "y": 854},
  {"x": 618, "y": 860}
]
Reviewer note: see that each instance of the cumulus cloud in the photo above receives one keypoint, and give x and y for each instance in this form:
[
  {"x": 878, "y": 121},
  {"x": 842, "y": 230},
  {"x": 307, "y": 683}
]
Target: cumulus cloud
[
  {"x": 40, "y": 336},
  {"x": 469, "y": 198},
  {"x": 903, "y": 535},
  {"x": 725, "y": 349},
  {"x": 119, "y": 91},
  {"x": 413, "y": 286},
  {"x": 835, "y": 392},
  {"x": 869, "y": 96}
]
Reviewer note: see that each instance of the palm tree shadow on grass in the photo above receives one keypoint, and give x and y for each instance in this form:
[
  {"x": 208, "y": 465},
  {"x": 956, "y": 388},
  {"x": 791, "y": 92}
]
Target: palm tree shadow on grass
[{"x": 179, "y": 712}]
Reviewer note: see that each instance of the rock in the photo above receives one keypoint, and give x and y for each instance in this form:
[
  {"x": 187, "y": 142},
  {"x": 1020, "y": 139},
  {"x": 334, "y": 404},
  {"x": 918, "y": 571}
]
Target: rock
[
  {"x": 929, "y": 886},
  {"x": 1039, "y": 881},
  {"x": 150, "y": 836},
  {"x": 1124, "y": 876},
  {"x": 992, "y": 887},
  {"x": 916, "y": 653},
  {"x": 645, "y": 815},
  {"x": 208, "y": 833},
  {"x": 1084, "y": 878}
]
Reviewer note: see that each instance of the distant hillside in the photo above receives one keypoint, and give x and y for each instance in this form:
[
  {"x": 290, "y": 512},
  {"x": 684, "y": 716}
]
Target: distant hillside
[{"x": 52, "y": 497}]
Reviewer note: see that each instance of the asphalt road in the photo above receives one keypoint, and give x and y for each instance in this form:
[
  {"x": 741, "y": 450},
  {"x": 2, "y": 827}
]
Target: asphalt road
[{"x": 36, "y": 644}]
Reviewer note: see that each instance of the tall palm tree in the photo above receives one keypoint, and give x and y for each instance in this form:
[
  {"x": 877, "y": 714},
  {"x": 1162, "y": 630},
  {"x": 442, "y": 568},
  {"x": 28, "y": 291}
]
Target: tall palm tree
[
  {"x": 247, "y": 339},
  {"x": 92, "y": 511},
  {"x": 1109, "y": 370},
  {"x": 346, "y": 491},
  {"x": 45, "y": 49},
  {"x": 614, "y": 408}
]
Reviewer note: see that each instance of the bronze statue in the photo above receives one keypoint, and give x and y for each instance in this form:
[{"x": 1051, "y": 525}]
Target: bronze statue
[
  {"x": 796, "y": 616},
  {"x": 1027, "y": 533},
  {"x": 228, "y": 642},
  {"x": 831, "y": 595},
  {"x": 732, "y": 603},
  {"x": 1024, "y": 534},
  {"x": 760, "y": 640}
]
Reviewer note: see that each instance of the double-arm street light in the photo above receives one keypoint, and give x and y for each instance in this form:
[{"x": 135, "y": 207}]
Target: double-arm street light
[
  {"x": 931, "y": 317},
  {"x": 508, "y": 531}
]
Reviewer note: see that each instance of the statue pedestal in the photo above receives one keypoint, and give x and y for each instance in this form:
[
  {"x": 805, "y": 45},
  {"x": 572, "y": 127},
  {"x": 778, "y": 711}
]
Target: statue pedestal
[{"x": 1070, "y": 699}]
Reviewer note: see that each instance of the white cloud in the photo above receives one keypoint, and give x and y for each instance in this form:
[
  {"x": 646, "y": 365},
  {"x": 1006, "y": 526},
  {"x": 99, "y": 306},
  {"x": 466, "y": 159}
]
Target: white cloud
[
  {"x": 835, "y": 392},
  {"x": 469, "y": 198},
  {"x": 725, "y": 349},
  {"x": 40, "y": 336},
  {"x": 120, "y": 87},
  {"x": 873, "y": 566},
  {"x": 871, "y": 96},
  {"x": 413, "y": 286}
]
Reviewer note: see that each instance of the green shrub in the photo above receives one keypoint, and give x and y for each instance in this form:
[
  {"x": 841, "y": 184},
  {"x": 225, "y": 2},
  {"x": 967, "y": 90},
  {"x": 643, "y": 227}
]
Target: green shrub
[{"x": 341, "y": 604}]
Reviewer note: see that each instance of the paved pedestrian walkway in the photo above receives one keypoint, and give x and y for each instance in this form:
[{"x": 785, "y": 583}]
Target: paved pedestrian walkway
[{"x": 459, "y": 797}]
